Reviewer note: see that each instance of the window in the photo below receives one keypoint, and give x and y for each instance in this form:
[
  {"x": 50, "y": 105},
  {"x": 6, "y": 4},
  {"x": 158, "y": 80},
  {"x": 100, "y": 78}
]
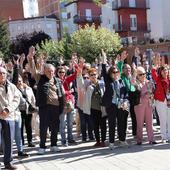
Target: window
[
  {"x": 133, "y": 22},
  {"x": 120, "y": 20},
  {"x": 132, "y": 3},
  {"x": 88, "y": 14}
]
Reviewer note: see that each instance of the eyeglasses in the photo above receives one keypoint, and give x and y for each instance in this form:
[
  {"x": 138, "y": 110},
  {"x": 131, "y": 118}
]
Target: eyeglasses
[
  {"x": 2, "y": 73},
  {"x": 114, "y": 72},
  {"x": 85, "y": 77},
  {"x": 92, "y": 75},
  {"x": 61, "y": 72},
  {"x": 142, "y": 74}
]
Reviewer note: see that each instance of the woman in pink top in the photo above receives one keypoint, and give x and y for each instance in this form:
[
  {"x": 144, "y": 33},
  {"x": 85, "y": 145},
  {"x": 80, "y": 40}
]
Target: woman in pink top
[{"x": 143, "y": 110}]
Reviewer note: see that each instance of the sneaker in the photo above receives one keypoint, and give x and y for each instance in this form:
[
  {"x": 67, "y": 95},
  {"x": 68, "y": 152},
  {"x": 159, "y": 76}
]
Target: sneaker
[
  {"x": 123, "y": 144},
  {"x": 10, "y": 166},
  {"x": 54, "y": 149},
  {"x": 72, "y": 142},
  {"x": 152, "y": 142},
  {"x": 163, "y": 140},
  {"x": 22, "y": 154},
  {"x": 41, "y": 151},
  {"x": 97, "y": 144},
  {"x": 31, "y": 144},
  {"x": 102, "y": 144},
  {"x": 139, "y": 143},
  {"x": 168, "y": 141},
  {"x": 64, "y": 144},
  {"x": 111, "y": 146}
]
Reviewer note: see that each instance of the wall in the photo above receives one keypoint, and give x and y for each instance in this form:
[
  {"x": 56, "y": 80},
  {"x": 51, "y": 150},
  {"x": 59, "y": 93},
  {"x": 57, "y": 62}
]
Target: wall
[
  {"x": 48, "y": 25},
  {"x": 11, "y": 9},
  {"x": 155, "y": 18}
]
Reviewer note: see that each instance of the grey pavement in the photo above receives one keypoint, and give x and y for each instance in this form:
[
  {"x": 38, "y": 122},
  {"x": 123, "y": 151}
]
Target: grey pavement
[{"x": 84, "y": 156}]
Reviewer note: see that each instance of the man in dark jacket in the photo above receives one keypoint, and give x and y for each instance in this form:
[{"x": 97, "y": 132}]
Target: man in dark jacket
[{"x": 50, "y": 100}]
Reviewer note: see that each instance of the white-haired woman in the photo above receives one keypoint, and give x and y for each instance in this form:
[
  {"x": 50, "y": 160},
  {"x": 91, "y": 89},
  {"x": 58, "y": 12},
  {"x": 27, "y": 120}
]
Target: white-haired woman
[{"x": 143, "y": 109}]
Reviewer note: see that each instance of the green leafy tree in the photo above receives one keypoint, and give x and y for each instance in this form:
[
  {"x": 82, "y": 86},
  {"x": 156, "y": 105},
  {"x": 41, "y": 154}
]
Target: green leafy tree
[
  {"x": 87, "y": 42},
  {"x": 4, "y": 39}
]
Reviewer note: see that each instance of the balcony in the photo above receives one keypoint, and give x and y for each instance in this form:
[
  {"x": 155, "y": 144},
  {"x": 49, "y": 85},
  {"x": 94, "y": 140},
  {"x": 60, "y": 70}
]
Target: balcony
[
  {"x": 85, "y": 19},
  {"x": 127, "y": 28},
  {"x": 123, "y": 5}
]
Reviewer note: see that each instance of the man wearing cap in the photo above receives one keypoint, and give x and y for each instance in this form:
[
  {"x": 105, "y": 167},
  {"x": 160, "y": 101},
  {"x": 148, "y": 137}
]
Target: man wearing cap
[{"x": 9, "y": 101}]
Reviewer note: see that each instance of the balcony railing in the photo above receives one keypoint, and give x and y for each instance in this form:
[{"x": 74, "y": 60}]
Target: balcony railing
[
  {"x": 126, "y": 28},
  {"x": 85, "y": 19},
  {"x": 123, "y": 5}
]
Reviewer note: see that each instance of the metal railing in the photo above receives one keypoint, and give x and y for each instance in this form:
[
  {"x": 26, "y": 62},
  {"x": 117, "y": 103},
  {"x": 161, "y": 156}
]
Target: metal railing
[
  {"x": 125, "y": 28},
  {"x": 122, "y": 4},
  {"x": 86, "y": 19}
]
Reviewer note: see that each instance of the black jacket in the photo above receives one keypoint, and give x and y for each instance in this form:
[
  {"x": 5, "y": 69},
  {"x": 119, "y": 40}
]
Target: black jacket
[
  {"x": 42, "y": 92},
  {"x": 109, "y": 92}
]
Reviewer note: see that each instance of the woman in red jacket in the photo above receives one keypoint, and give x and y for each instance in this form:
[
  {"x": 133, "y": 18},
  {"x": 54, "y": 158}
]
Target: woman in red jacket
[
  {"x": 162, "y": 81},
  {"x": 67, "y": 115}
]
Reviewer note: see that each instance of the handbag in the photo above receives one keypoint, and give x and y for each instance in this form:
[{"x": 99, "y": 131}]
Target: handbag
[
  {"x": 168, "y": 99},
  {"x": 31, "y": 108},
  {"x": 134, "y": 97}
]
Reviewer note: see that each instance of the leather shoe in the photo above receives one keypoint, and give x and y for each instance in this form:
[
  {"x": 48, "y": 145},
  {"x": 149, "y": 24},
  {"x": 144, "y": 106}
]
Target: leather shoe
[
  {"x": 10, "y": 166},
  {"x": 31, "y": 145}
]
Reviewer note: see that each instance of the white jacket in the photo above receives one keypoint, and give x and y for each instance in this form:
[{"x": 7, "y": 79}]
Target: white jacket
[{"x": 10, "y": 99}]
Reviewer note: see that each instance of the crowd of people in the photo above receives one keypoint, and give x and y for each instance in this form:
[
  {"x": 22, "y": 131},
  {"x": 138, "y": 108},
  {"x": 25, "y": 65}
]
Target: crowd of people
[{"x": 46, "y": 100}]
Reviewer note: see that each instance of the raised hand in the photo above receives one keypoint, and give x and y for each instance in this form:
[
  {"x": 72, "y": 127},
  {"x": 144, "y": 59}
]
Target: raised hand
[
  {"x": 81, "y": 62},
  {"x": 104, "y": 57},
  {"x": 31, "y": 53},
  {"x": 16, "y": 59},
  {"x": 124, "y": 55},
  {"x": 79, "y": 71}
]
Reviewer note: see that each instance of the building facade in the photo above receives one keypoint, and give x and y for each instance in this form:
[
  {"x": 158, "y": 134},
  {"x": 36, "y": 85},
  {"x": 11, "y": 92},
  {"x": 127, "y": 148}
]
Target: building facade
[
  {"x": 11, "y": 10},
  {"x": 88, "y": 13},
  {"x": 131, "y": 19},
  {"x": 157, "y": 16},
  {"x": 45, "y": 24},
  {"x": 48, "y": 7},
  {"x": 30, "y": 8}
]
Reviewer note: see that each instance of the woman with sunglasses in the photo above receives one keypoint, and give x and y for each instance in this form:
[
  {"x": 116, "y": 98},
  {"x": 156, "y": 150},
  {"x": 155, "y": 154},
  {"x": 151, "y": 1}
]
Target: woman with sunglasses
[
  {"x": 115, "y": 100},
  {"x": 93, "y": 107},
  {"x": 68, "y": 112},
  {"x": 143, "y": 110},
  {"x": 162, "y": 80}
]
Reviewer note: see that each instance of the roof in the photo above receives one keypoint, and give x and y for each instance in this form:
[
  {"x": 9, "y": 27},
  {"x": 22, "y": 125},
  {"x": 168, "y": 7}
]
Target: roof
[{"x": 52, "y": 16}]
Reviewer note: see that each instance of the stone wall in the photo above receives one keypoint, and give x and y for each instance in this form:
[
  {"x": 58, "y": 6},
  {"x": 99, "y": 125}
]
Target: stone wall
[{"x": 157, "y": 47}]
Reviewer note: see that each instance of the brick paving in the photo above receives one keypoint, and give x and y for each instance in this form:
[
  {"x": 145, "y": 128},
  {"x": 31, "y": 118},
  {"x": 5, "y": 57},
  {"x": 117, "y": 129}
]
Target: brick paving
[{"x": 84, "y": 156}]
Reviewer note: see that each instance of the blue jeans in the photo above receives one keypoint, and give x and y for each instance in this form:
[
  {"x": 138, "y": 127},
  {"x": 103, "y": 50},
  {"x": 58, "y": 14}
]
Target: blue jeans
[
  {"x": 18, "y": 139},
  {"x": 66, "y": 118},
  {"x": 7, "y": 132}
]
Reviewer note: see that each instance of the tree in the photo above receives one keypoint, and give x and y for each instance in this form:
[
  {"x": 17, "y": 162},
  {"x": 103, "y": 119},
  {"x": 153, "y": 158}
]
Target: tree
[
  {"x": 23, "y": 41},
  {"x": 87, "y": 42},
  {"x": 4, "y": 39}
]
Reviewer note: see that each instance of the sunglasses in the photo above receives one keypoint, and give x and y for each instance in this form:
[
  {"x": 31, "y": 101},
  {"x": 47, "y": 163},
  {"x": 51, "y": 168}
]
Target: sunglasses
[
  {"x": 92, "y": 75},
  {"x": 142, "y": 74},
  {"x": 114, "y": 72},
  {"x": 85, "y": 77},
  {"x": 61, "y": 72}
]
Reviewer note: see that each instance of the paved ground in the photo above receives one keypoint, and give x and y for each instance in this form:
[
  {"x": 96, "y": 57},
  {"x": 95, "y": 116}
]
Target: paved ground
[{"x": 85, "y": 157}]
